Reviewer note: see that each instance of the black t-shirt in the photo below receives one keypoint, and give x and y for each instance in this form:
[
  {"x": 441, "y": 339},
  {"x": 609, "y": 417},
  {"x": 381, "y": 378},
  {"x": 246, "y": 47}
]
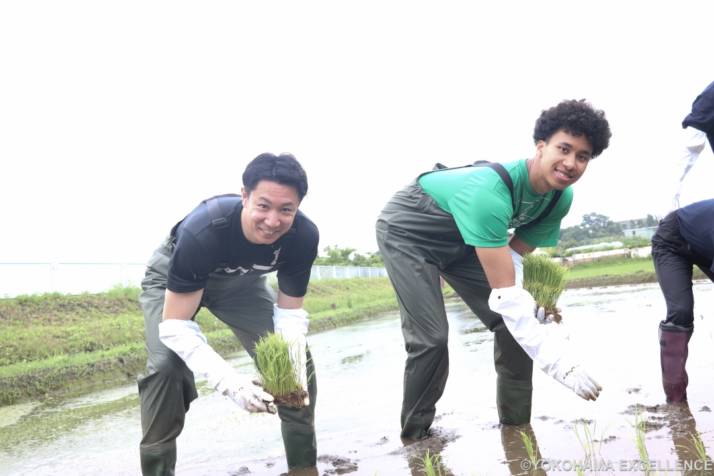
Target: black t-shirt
[
  {"x": 203, "y": 248},
  {"x": 696, "y": 225}
]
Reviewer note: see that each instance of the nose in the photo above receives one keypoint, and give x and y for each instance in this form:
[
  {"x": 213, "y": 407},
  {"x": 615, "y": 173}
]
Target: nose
[
  {"x": 569, "y": 161},
  {"x": 272, "y": 219}
]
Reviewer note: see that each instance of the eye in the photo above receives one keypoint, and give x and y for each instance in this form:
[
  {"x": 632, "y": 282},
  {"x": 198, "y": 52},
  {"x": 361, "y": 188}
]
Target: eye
[
  {"x": 262, "y": 206},
  {"x": 288, "y": 211}
]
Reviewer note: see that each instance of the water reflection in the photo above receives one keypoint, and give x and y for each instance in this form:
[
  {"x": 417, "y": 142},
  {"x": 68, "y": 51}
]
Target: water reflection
[
  {"x": 520, "y": 448},
  {"x": 417, "y": 452},
  {"x": 691, "y": 454}
]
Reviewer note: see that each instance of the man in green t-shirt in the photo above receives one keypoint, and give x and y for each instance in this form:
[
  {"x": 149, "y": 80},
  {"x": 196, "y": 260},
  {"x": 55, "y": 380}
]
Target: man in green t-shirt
[{"x": 454, "y": 223}]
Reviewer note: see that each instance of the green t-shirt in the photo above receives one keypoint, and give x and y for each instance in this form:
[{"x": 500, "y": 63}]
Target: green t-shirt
[{"x": 482, "y": 208}]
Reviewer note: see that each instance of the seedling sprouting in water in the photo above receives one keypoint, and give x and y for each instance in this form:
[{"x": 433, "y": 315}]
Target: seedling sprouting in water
[
  {"x": 545, "y": 280},
  {"x": 279, "y": 378},
  {"x": 640, "y": 442},
  {"x": 432, "y": 465},
  {"x": 530, "y": 449}
]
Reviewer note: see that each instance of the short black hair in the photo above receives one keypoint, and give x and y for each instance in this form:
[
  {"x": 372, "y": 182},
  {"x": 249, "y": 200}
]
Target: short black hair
[
  {"x": 578, "y": 118},
  {"x": 283, "y": 169}
]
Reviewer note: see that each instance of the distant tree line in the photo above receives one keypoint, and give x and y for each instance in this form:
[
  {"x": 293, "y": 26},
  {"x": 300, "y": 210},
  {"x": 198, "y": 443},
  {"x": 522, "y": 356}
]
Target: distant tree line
[
  {"x": 594, "y": 228},
  {"x": 597, "y": 228},
  {"x": 336, "y": 256}
]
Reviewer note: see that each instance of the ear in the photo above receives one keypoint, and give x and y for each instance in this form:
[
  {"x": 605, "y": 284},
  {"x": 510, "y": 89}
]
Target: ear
[
  {"x": 244, "y": 194},
  {"x": 540, "y": 145}
]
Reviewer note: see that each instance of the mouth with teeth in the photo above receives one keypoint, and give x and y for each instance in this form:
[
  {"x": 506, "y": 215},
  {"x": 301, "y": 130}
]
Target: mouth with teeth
[{"x": 563, "y": 175}]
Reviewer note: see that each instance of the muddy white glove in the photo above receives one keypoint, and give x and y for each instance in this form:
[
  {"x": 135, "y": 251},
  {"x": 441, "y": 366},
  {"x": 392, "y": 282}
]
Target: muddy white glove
[
  {"x": 547, "y": 349},
  {"x": 185, "y": 338},
  {"x": 292, "y": 325},
  {"x": 244, "y": 392}
]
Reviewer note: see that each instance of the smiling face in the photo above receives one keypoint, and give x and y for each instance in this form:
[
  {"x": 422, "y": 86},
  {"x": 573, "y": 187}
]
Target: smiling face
[
  {"x": 268, "y": 211},
  {"x": 559, "y": 162}
]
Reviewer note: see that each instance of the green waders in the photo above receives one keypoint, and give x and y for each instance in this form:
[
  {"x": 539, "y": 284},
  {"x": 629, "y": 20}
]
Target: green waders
[
  {"x": 245, "y": 304},
  {"x": 420, "y": 242}
]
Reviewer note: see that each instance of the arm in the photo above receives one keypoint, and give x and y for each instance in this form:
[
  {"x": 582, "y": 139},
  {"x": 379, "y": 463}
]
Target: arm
[
  {"x": 503, "y": 265},
  {"x": 182, "y": 335}
]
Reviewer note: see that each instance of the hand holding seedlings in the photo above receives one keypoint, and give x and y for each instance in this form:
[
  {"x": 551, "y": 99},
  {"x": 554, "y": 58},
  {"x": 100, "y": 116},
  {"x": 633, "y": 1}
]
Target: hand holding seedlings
[
  {"x": 544, "y": 280},
  {"x": 292, "y": 326},
  {"x": 278, "y": 374}
]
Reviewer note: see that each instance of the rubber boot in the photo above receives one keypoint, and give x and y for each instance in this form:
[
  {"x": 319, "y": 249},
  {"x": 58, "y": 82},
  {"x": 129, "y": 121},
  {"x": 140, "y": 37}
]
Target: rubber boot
[
  {"x": 298, "y": 427},
  {"x": 514, "y": 387},
  {"x": 673, "y": 344}
]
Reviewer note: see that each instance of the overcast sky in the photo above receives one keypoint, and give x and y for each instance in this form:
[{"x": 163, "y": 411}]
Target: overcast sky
[{"x": 117, "y": 118}]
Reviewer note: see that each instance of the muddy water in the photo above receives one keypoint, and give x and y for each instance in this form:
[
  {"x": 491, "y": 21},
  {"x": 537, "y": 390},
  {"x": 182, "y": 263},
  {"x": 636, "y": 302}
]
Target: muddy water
[{"x": 359, "y": 371}]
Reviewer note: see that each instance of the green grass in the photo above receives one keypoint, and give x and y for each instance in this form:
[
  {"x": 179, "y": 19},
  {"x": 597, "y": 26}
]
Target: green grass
[{"x": 55, "y": 345}]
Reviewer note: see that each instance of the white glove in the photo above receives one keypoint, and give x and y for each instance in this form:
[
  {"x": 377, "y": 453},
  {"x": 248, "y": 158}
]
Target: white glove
[
  {"x": 244, "y": 392},
  {"x": 517, "y": 266},
  {"x": 185, "y": 338},
  {"x": 548, "y": 351},
  {"x": 292, "y": 325}
]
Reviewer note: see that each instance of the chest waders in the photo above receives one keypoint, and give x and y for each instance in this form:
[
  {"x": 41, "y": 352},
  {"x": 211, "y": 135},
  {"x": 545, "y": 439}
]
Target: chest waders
[
  {"x": 419, "y": 243},
  {"x": 245, "y": 304}
]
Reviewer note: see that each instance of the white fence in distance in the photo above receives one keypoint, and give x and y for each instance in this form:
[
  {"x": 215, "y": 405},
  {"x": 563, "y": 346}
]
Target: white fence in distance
[{"x": 75, "y": 278}]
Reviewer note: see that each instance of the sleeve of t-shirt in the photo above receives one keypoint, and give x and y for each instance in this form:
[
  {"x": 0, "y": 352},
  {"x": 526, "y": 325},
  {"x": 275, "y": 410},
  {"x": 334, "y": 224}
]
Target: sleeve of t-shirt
[
  {"x": 482, "y": 210},
  {"x": 188, "y": 267},
  {"x": 294, "y": 276},
  {"x": 546, "y": 233}
]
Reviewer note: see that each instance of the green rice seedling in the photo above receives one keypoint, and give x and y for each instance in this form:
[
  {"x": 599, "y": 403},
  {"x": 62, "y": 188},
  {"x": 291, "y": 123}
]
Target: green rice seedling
[
  {"x": 699, "y": 447},
  {"x": 279, "y": 378},
  {"x": 545, "y": 280},
  {"x": 587, "y": 442},
  {"x": 640, "y": 442},
  {"x": 530, "y": 449},
  {"x": 431, "y": 464}
]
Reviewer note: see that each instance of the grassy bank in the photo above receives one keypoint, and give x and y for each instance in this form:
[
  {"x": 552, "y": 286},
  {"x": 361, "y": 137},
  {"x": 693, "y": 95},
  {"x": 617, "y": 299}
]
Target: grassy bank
[
  {"x": 611, "y": 272},
  {"x": 55, "y": 346}
]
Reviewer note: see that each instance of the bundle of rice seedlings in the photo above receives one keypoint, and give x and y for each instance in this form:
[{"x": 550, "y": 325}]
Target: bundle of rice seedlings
[
  {"x": 279, "y": 378},
  {"x": 545, "y": 280}
]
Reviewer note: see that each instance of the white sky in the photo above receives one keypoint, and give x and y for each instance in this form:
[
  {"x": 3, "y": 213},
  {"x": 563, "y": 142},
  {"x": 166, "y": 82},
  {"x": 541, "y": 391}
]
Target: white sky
[{"x": 117, "y": 118}]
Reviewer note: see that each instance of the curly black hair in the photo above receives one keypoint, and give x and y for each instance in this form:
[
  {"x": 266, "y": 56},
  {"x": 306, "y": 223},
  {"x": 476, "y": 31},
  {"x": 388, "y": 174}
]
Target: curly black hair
[
  {"x": 577, "y": 117},
  {"x": 283, "y": 169}
]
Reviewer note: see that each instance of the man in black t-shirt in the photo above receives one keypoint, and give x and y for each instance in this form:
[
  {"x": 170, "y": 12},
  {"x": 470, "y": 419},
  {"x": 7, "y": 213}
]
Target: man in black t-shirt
[
  {"x": 684, "y": 239},
  {"x": 217, "y": 257}
]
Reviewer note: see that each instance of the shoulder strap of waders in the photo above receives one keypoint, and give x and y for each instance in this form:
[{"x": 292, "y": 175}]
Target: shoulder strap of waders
[
  {"x": 215, "y": 214},
  {"x": 219, "y": 222},
  {"x": 506, "y": 178}
]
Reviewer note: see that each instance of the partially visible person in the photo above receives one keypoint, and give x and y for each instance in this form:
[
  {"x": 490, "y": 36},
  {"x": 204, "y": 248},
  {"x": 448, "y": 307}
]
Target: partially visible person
[
  {"x": 217, "y": 257},
  {"x": 684, "y": 239},
  {"x": 698, "y": 127},
  {"x": 453, "y": 223}
]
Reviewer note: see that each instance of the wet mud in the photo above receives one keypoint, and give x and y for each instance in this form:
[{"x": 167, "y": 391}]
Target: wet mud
[{"x": 359, "y": 370}]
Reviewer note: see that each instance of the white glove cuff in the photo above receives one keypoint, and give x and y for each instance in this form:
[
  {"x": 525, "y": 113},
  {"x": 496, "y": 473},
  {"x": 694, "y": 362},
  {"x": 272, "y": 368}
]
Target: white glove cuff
[
  {"x": 517, "y": 266},
  {"x": 185, "y": 338},
  {"x": 290, "y": 321}
]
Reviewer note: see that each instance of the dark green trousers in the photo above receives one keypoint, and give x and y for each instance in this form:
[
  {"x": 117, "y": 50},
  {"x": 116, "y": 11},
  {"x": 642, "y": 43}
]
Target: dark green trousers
[
  {"x": 419, "y": 242},
  {"x": 245, "y": 304}
]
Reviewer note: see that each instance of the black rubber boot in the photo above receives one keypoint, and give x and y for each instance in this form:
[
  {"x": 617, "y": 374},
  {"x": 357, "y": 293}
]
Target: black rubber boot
[
  {"x": 673, "y": 345},
  {"x": 514, "y": 387}
]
